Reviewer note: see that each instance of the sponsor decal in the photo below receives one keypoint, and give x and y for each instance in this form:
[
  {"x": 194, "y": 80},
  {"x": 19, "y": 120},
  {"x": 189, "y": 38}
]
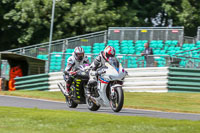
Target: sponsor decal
[
  {"x": 84, "y": 40},
  {"x": 143, "y": 30},
  {"x": 103, "y": 80},
  {"x": 116, "y": 31},
  {"x": 174, "y": 31}
]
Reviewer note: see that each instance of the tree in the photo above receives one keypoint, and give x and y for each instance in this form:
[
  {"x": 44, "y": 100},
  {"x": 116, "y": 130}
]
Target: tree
[
  {"x": 183, "y": 13},
  {"x": 8, "y": 32},
  {"x": 31, "y": 18},
  {"x": 25, "y": 22}
]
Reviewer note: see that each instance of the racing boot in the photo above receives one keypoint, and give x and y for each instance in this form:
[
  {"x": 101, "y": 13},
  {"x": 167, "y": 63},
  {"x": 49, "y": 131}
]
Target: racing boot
[
  {"x": 88, "y": 91},
  {"x": 67, "y": 88}
]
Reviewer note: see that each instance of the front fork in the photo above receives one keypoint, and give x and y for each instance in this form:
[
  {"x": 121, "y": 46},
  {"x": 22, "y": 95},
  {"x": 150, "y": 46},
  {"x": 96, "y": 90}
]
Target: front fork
[{"x": 112, "y": 90}]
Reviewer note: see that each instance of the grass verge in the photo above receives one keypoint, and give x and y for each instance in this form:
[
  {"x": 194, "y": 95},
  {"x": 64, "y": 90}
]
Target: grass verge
[
  {"x": 20, "y": 120},
  {"x": 171, "y": 102}
]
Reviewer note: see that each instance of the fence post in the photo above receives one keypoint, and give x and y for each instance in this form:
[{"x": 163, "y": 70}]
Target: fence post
[
  {"x": 20, "y": 51},
  {"x": 105, "y": 37},
  {"x": 122, "y": 35},
  {"x": 65, "y": 45},
  {"x": 36, "y": 51},
  {"x": 166, "y": 37},
  {"x": 182, "y": 37},
  {"x": 47, "y": 65},
  {"x": 197, "y": 33},
  {"x": 151, "y": 35},
  {"x": 193, "y": 40},
  {"x": 136, "y": 35}
]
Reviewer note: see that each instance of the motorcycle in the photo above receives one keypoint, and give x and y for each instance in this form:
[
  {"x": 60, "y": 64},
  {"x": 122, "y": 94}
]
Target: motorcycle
[
  {"x": 76, "y": 94},
  {"x": 109, "y": 87},
  {"x": 107, "y": 92}
]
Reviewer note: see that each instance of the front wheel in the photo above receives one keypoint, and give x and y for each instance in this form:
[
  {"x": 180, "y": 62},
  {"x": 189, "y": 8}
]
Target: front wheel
[
  {"x": 117, "y": 100},
  {"x": 91, "y": 105},
  {"x": 70, "y": 102}
]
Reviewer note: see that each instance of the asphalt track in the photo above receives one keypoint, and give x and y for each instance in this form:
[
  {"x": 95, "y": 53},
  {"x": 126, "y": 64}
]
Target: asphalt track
[{"x": 13, "y": 101}]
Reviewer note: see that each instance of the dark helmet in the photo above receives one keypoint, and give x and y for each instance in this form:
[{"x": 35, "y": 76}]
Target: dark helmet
[
  {"x": 79, "y": 53},
  {"x": 108, "y": 52}
]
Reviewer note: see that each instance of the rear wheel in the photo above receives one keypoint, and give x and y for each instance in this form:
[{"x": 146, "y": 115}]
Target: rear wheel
[
  {"x": 91, "y": 105},
  {"x": 70, "y": 102},
  {"x": 117, "y": 100}
]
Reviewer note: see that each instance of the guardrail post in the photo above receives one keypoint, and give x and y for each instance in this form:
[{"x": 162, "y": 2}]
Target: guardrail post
[
  {"x": 197, "y": 38},
  {"x": 181, "y": 37},
  {"x": 137, "y": 35},
  {"x": 122, "y": 35},
  {"x": 36, "y": 51},
  {"x": 151, "y": 36},
  {"x": 22, "y": 51},
  {"x": 166, "y": 35},
  {"x": 65, "y": 45},
  {"x": 47, "y": 65},
  {"x": 105, "y": 37}
]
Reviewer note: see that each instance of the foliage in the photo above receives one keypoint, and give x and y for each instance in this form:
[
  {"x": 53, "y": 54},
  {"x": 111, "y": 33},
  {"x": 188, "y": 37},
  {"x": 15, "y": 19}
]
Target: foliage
[
  {"x": 32, "y": 19},
  {"x": 25, "y": 22}
]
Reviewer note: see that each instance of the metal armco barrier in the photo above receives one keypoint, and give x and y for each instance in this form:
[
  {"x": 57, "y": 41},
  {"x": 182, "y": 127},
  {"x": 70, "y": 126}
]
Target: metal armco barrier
[
  {"x": 33, "y": 82},
  {"x": 139, "y": 80},
  {"x": 184, "y": 79},
  {"x": 151, "y": 79},
  {"x": 54, "y": 79},
  {"x": 39, "y": 82}
]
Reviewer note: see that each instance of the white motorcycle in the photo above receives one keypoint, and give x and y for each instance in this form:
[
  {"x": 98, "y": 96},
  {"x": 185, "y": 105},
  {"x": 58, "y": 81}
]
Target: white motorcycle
[{"x": 108, "y": 91}]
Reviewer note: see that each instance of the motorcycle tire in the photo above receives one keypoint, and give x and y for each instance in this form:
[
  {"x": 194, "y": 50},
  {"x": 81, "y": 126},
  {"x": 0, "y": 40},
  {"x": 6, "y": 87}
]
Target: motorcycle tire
[
  {"x": 70, "y": 103},
  {"x": 117, "y": 101},
  {"x": 91, "y": 105}
]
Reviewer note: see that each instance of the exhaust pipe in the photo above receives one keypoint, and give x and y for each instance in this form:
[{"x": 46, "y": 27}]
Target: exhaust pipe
[
  {"x": 62, "y": 89},
  {"x": 95, "y": 100}
]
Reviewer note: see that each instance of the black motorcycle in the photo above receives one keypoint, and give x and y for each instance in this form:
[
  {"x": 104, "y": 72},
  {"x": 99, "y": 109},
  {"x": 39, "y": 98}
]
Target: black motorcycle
[{"x": 77, "y": 94}]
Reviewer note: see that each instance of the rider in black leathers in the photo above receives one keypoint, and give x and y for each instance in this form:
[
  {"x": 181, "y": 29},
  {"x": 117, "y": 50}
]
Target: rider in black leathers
[{"x": 78, "y": 58}]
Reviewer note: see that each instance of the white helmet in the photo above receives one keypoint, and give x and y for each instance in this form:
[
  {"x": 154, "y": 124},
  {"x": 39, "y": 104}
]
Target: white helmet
[
  {"x": 79, "y": 53},
  {"x": 108, "y": 52}
]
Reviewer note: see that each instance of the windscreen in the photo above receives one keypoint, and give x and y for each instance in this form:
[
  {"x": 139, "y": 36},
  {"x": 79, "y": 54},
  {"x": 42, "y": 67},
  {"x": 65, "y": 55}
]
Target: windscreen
[{"x": 114, "y": 62}]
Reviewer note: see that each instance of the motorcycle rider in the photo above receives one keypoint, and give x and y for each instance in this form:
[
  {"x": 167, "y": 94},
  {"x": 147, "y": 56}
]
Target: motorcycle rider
[
  {"x": 78, "y": 58},
  {"x": 99, "y": 62}
]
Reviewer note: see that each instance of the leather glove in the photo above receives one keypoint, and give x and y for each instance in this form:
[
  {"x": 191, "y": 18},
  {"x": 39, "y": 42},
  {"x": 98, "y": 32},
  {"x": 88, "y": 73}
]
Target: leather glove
[
  {"x": 101, "y": 71},
  {"x": 72, "y": 73},
  {"x": 126, "y": 72}
]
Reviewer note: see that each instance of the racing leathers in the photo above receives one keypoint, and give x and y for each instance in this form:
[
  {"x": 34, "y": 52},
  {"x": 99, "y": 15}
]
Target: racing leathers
[
  {"x": 98, "y": 63},
  {"x": 69, "y": 72}
]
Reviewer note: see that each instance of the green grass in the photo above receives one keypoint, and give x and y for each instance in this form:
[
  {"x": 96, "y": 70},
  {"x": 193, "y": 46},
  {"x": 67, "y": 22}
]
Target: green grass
[
  {"x": 171, "y": 102},
  {"x": 20, "y": 120},
  {"x": 58, "y": 96}
]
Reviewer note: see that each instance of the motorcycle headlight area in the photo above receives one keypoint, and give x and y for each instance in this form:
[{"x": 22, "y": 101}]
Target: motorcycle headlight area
[{"x": 116, "y": 77}]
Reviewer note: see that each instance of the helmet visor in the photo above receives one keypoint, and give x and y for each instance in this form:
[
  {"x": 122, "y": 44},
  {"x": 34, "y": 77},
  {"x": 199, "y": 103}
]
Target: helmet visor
[
  {"x": 109, "y": 55},
  {"x": 80, "y": 56}
]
